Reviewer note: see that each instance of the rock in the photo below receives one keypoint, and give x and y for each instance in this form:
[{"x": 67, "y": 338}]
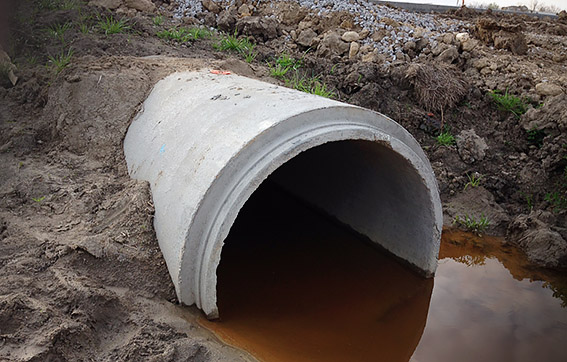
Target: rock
[
  {"x": 548, "y": 89},
  {"x": 350, "y": 36},
  {"x": 145, "y": 6},
  {"x": 379, "y": 35},
  {"x": 477, "y": 202},
  {"x": 502, "y": 35},
  {"x": 261, "y": 28},
  {"x": 108, "y": 4},
  {"x": 307, "y": 38},
  {"x": 449, "y": 55},
  {"x": 363, "y": 34},
  {"x": 353, "y": 51},
  {"x": 410, "y": 45},
  {"x": 440, "y": 48},
  {"x": 7, "y": 76},
  {"x": 244, "y": 10},
  {"x": 471, "y": 147},
  {"x": 542, "y": 244},
  {"x": 332, "y": 44},
  {"x": 370, "y": 57},
  {"x": 226, "y": 21},
  {"x": 469, "y": 45},
  {"x": 391, "y": 22},
  {"x": 211, "y": 6},
  {"x": 448, "y": 38},
  {"x": 462, "y": 37}
]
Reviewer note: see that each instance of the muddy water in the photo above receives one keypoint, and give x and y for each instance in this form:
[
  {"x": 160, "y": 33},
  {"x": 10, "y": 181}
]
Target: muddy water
[{"x": 294, "y": 287}]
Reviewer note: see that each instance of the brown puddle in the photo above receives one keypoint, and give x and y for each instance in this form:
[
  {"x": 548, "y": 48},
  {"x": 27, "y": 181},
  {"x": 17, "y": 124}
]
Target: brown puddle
[{"x": 293, "y": 286}]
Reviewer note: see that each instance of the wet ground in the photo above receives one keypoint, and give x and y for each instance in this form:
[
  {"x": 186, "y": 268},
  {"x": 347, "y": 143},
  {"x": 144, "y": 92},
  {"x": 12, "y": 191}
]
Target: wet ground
[{"x": 295, "y": 287}]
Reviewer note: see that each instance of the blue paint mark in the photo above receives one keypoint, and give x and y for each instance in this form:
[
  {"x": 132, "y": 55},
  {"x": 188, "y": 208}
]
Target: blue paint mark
[{"x": 162, "y": 149}]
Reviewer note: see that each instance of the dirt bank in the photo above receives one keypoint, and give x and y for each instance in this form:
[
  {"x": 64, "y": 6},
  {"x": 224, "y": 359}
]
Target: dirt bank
[{"x": 82, "y": 275}]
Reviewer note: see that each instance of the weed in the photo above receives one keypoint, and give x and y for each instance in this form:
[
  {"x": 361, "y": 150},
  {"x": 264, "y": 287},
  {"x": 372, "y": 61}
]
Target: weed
[
  {"x": 233, "y": 43},
  {"x": 251, "y": 55},
  {"x": 61, "y": 60},
  {"x": 311, "y": 85},
  {"x": 333, "y": 68},
  {"x": 283, "y": 64},
  {"x": 158, "y": 20},
  {"x": 470, "y": 223},
  {"x": 112, "y": 26},
  {"x": 58, "y": 31},
  {"x": 529, "y": 200},
  {"x": 509, "y": 103},
  {"x": 536, "y": 136},
  {"x": 184, "y": 35},
  {"x": 38, "y": 199},
  {"x": 445, "y": 138},
  {"x": 557, "y": 201},
  {"x": 84, "y": 28},
  {"x": 474, "y": 180}
]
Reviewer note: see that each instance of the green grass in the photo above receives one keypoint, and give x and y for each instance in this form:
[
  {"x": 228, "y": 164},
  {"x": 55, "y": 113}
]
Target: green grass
[
  {"x": 233, "y": 43},
  {"x": 60, "y": 61},
  {"x": 109, "y": 25},
  {"x": 250, "y": 55},
  {"x": 312, "y": 85},
  {"x": 84, "y": 28},
  {"x": 509, "y": 103},
  {"x": 474, "y": 180},
  {"x": 58, "y": 31},
  {"x": 471, "y": 223},
  {"x": 535, "y": 137},
  {"x": 445, "y": 138},
  {"x": 557, "y": 200},
  {"x": 283, "y": 64},
  {"x": 157, "y": 20},
  {"x": 38, "y": 199},
  {"x": 184, "y": 35}
]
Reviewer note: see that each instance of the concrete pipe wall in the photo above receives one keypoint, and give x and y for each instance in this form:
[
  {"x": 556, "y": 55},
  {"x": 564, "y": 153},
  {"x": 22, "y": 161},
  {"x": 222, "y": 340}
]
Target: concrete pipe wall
[{"x": 205, "y": 142}]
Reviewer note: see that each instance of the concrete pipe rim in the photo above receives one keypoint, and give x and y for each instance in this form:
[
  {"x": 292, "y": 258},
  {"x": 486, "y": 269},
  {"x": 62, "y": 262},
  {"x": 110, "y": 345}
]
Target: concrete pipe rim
[{"x": 214, "y": 218}]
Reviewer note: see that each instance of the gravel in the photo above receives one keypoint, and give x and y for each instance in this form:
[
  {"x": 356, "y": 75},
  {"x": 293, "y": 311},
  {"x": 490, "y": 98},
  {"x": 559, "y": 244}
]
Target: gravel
[{"x": 368, "y": 15}]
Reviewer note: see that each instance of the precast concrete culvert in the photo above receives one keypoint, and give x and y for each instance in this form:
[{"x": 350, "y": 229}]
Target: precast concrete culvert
[{"x": 205, "y": 142}]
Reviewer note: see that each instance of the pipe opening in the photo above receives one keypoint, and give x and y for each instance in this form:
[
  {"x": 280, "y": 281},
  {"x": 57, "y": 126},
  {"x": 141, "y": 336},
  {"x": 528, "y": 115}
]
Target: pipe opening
[
  {"x": 369, "y": 188},
  {"x": 290, "y": 280}
]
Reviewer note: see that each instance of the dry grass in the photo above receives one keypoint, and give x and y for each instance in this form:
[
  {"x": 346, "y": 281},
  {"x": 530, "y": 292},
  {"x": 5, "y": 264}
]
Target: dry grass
[{"x": 437, "y": 86}]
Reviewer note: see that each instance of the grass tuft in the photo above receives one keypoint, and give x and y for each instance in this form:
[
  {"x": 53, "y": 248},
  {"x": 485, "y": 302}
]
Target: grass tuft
[
  {"x": 445, "y": 138},
  {"x": 508, "y": 102},
  {"x": 474, "y": 180},
  {"x": 60, "y": 61},
  {"x": 113, "y": 26},
  {"x": 157, "y": 20},
  {"x": 312, "y": 85},
  {"x": 184, "y": 35},
  {"x": 58, "y": 31},
  {"x": 233, "y": 43},
  {"x": 472, "y": 224}
]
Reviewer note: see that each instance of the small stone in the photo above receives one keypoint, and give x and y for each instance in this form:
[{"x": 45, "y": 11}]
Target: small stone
[
  {"x": 211, "y": 6},
  {"x": 470, "y": 146},
  {"x": 363, "y": 34},
  {"x": 370, "y": 57},
  {"x": 306, "y": 38},
  {"x": 449, "y": 55},
  {"x": 469, "y": 45},
  {"x": 548, "y": 89},
  {"x": 410, "y": 45},
  {"x": 350, "y": 36},
  {"x": 145, "y": 6},
  {"x": 391, "y": 22},
  {"x": 353, "y": 51},
  {"x": 448, "y": 38},
  {"x": 244, "y": 10},
  {"x": 462, "y": 37}
]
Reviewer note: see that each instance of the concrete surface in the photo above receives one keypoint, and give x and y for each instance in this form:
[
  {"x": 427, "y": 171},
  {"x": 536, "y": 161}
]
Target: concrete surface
[{"x": 205, "y": 142}]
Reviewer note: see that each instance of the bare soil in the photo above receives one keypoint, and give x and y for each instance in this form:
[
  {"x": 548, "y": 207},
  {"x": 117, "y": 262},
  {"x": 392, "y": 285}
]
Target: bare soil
[{"x": 82, "y": 276}]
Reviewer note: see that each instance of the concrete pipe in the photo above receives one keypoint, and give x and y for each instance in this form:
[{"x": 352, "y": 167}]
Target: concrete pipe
[{"x": 205, "y": 142}]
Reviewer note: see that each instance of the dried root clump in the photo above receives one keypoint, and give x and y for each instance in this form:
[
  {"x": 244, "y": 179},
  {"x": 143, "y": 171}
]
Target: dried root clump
[{"x": 437, "y": 86}]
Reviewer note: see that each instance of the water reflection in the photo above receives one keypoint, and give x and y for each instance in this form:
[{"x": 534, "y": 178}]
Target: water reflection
[{"x": 294, "y": 287}]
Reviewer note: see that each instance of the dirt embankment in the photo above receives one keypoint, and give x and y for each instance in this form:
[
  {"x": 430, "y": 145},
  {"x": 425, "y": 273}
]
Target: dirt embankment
[{"x": 82, "y": 275}]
